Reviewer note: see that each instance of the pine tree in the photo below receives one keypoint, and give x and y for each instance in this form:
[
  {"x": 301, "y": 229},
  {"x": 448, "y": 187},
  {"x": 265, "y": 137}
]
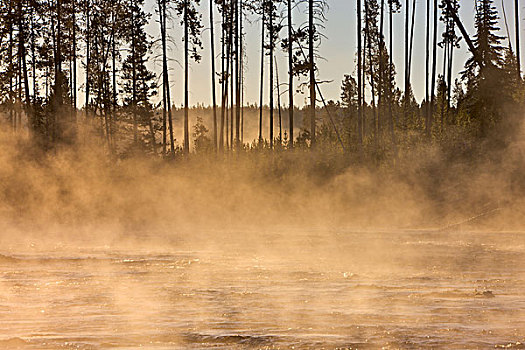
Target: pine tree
[
  {"x": 138, "y": 81},
  {"x": 483, "y": 104}
]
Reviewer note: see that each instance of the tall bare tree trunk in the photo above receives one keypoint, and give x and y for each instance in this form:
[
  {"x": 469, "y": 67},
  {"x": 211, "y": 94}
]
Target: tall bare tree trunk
[
  {"x": 363, "y": 77},
  {"x": 390, "y": 78},
  {"x": 223, "y": 78},
  {"x": 134, "y": 77},
  {"x": 88, "y": 55},
  {"x": 381, "y": 72},
  {"x": 311, "y": 35},
  {"x": 237, "y": 79},
  {"x": 290, "y": 74},
  {"x": 427, "y": 71},
  {"x": 405, "y": 99},
  {"x": 232, "y": 75},
  {"x": 517, "y": 23},
  {"x": 359, "y": 76},
  {"x": 279, "y": 103},
  {"x": 371, "y": 73},
  {"x": 214, "y": 100},
  {"x": 434, "y": 65},
  {"x": 241, "y": 72},
  {"x": 74, "y": 80},
  {"x": 162, "y": 14},
  {"x": 411, "y": 47},
  {"x": 186, "y": 82},
  {"x": 271, "y": 73},
  {"x": 261, "y": 91}
]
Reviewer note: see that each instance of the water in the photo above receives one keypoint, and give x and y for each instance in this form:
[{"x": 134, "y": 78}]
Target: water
[{"x": 338, "y": 289}]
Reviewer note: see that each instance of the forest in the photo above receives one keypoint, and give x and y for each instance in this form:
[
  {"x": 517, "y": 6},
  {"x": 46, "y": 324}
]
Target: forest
[
  {"x": 382, "y": 209},
  {"x": 52, "y": 51}
]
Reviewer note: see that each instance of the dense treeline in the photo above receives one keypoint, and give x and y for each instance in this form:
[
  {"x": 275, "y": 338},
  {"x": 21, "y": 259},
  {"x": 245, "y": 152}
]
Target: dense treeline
[{"x": 44, "y": 44}]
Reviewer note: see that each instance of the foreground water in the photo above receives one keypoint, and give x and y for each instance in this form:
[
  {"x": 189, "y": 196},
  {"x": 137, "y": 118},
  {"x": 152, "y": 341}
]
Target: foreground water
[{"x": 269, "y": 290}]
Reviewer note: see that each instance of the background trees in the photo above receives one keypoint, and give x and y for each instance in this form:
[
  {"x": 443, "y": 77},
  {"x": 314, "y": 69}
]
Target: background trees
[{"x": 54, "y": 51}]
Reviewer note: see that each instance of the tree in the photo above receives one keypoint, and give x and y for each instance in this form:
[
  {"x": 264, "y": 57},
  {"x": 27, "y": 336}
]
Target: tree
[
  {"x": 191, "y": 21},
  {"x": 213, "y": 84},
  {"x": 273, "y": 30},
  {"x": 517, "y": 33},
  {"x": 289, "y": 45},
  {"x": 166, "y": 96},
  {"x": 483, "y": 105},
  {"x": 139, "y": 82},
  {"x": 359, "y": 75},
  {"x": 311, "y": 58}
]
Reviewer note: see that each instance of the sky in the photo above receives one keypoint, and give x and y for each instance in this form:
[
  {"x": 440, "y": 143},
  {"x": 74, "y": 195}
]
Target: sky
[{"x": 337, "y": 48}]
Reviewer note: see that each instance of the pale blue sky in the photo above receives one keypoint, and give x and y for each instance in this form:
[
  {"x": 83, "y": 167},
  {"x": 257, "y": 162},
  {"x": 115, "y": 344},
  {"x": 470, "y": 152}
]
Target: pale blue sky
[{"x": 338, "y": 48}]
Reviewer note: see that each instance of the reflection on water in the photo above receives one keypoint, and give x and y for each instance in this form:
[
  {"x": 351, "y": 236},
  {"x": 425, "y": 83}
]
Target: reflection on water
[{"x": 310, "y": 290}]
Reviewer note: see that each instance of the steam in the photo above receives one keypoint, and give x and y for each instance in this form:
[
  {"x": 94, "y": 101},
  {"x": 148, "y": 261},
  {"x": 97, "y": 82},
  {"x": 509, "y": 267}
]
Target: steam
[{"x": 80, "y": 188}]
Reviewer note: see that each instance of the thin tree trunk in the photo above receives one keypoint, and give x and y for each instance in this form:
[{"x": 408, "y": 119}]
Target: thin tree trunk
[
  {"x": 311, "y": 34},
  {"x": 261, "y": 91},
  {"x": 237, "y": 79},
  {"x": 134, "y": 77},
  {"x": 279, "y": 103},
  {"x": 517, "y": 23},
  {"x": 381, "y": 73},
  {"x": 359, "y": 76},
  {"x": 33, "y": 59},
  {"x": 214, "y": 100},
  {"x": 74, "y": 80},
  {"x": 88, "y": 56},
  {"x": 407, "y": 23},
  {"x": 162, "y": 14},
  {"x": 10, "y": 68},
  {"x": 232, "y": 75},
  {"x": 427, "y": 71},
  {"x": 186, "y": 82},
  {"x": 390, "y": 78},
  {"x": 241, "y": 72},
  {"x": 223, "y": 79},
  {"x": 290, "y": 74},
  {"x": 449, "y": 84},
  {"x": 363, "y": 77},
  {"x": 411, "y": 48},
  {"x": 271, "y": 73},
  {"x": 443, "y": 95},
  {"x": 434, "y": 65},
  {"x": 372, "y": 81}
]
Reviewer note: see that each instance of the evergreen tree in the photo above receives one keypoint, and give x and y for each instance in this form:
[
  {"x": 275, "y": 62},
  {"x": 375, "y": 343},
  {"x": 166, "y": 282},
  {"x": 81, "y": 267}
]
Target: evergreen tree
[
  {"x": 484, "y": 106},
  {"x": 139, "y": 84}
]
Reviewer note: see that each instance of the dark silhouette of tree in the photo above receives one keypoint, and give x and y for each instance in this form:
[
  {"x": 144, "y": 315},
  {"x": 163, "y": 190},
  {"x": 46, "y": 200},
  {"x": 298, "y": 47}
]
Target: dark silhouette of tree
[{"x": 483, "y": 104}]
